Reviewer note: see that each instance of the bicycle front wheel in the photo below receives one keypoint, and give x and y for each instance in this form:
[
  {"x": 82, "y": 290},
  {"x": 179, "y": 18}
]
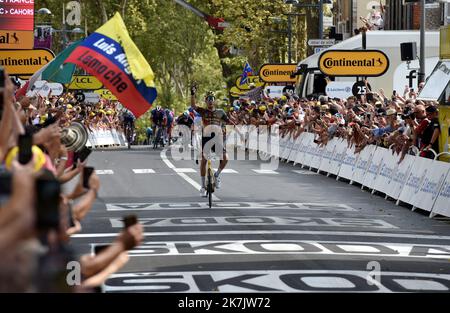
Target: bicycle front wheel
[{"x": 210, "y": 189}]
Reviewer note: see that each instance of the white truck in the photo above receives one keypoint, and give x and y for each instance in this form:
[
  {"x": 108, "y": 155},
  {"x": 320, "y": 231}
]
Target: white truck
[{"x": 313, "y": 83}]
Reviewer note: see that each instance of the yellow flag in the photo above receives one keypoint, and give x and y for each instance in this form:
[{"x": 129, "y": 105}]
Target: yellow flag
[{"x": 115, "y": 29}]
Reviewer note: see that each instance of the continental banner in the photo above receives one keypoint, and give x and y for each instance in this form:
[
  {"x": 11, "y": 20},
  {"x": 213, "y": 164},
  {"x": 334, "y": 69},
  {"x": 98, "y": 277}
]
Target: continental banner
[
  {"x": 25, "y": 62},
  {"x": 370, "y": 63}
]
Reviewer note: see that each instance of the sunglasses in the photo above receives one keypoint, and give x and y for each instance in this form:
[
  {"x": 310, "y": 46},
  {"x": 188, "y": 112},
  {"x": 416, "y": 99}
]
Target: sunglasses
[{"x": 210, "y": 99}]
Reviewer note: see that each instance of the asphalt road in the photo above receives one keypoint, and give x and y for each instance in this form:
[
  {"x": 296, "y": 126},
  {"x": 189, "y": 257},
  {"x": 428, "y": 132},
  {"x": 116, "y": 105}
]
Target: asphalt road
[{"x": 287, "y": 230}]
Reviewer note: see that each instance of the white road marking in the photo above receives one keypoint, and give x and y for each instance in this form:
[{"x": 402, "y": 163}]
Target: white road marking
[
  {"x": 278, "y": 280},
  {"x": 234, "y": 206},
  {"x": 104, "y": 172},
  {"x": 304, "y": 172},
  {"x": 265, "y": 172},
  {"x": 273, "y": 232},
  {"x": 227, "y": 171},
  {"x": 144, "y": 171},
  {"x": 185, "y": 170},
  {"x": 385, "y": 249},
  {"x": 183, "y": 175}
]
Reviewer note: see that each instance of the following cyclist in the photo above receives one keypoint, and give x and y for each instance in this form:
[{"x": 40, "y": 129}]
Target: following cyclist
[
  {"x": 169, "y": 125},
  {"x": 210, "y": 117},
  {"x": 128, "y": 119},
  {"x": 158, "y": 118}
]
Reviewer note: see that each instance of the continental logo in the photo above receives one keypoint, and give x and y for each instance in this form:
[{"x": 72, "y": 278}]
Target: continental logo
[
  {"x": 25, "y": 62},
  {"x": 278, "y": 73},
  {"x": 16, "y": 39},
  {"x": 369, "y": 63}
]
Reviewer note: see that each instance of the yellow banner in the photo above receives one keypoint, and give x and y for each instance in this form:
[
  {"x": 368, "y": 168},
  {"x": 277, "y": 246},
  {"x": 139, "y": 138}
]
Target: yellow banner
[
  {"x": 445, "y": 42},
  {"x": 85, "y": 82},
  {"x": 24, "y": 62},
  {"x": 370, "y": 63},
  {"x": 444, "y": 140},
  {"x": 236, "y": 92},
  {"x": 250, "y": 80},
  {"x": 16, "y": 39},
  {"x": 278, "y": 73},
  {"x": 106, "y": 94}
]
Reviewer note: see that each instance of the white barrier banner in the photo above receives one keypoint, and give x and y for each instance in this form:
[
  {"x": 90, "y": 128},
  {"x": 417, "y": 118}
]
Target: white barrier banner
[
  {"x": 442, "y": 204},
  {"x": 401, "y": 173},
  {"x": 309, "y": 151},
  {"x": 317, "y": 157},
  {"x": 295, "y": 147},
  {"x": 338, "y": 156},
  {"x": 283, "y": 143},
  {"x": 327, "y": 156},
  {"x": 304, "y": 144},
  {"x": 263, "y": 140},
  {"x": 432, "y": 183},
  {"x": 374, "y": 168},
  {"x": 388, "y": 167},
  {"x": 365, "y": 157},
  {"x": 288, "y": 149},
  {"x": 348, "y": 166},
  {"x": 253, "y": 138},
  {"x": 411, "y": 190}
]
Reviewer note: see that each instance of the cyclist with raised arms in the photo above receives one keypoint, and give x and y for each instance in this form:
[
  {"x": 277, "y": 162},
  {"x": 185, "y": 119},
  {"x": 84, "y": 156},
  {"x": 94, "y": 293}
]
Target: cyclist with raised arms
[{"x": 211, "y": 116}]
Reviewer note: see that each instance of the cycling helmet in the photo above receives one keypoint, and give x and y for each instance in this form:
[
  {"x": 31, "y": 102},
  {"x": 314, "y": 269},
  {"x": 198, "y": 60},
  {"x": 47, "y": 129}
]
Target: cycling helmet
[{"x": 210, "y": 95}]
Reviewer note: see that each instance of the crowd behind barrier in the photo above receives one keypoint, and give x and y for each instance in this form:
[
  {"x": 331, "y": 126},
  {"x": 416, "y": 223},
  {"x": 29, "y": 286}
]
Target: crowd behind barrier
[{"x": 421, "y": 182}]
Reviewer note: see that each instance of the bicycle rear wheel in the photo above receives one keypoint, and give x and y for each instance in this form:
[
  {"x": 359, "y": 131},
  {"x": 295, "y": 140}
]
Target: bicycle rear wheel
[{"x": 210, "y": 189}]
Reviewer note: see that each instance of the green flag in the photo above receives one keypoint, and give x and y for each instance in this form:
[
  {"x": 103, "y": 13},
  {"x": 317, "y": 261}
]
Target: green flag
[{"x": 57, "y": 71}]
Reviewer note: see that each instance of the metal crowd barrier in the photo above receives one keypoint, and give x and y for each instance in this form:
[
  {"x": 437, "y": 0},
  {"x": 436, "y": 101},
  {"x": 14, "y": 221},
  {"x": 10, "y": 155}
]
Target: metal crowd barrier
[{"x": 421, "y": 182}]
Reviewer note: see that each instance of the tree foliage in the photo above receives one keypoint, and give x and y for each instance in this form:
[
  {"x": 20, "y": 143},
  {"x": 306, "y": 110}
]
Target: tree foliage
[{"x": 182, "y": 48}]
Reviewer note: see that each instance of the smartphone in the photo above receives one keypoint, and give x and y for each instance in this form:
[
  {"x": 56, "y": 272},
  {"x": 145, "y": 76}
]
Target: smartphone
[
  {"x": 47, "y": 204},
  {"x": 81, "y": 155},
  {"x": 25, "y": 145},
  {"x": 100, "y": 248},
  {"x": 2, "y": 77},
  {"x": 87, "y": 172},
  {"x": 130, "y": 220},
  {"x": 5, "y": 183}
]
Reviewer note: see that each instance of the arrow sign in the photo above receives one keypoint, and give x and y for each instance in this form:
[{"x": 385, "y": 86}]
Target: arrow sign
[{"x": 321, "y": 42}]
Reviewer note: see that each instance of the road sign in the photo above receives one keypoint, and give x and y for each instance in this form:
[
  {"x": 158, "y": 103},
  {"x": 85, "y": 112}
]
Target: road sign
[
  {"x": 271, "y": 73},
  {"x": 359, "y": 89},
  {"x": 43, "y": 88},
  {"x": 16, "y": 39},
  {"x": 319, "y": 49},
  {"x": 91, "y": 97},
  {"x": 371, "y": 63},
  {"x": 80, "y": 96},
  {"x": 25, "y": 62},
  {"x": 321, "y": 42},
  {"x": 85, "y": 82},
  {"x": 340, "y": 90}
]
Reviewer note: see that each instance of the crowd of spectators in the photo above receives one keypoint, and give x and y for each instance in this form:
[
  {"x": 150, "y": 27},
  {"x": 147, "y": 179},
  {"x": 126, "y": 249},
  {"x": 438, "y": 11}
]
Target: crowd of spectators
[
  {"x": 39, "y": 208},
  {"x": 396, "y": 121}
]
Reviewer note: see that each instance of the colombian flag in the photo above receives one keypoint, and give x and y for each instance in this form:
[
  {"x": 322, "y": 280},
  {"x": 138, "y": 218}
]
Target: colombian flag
[{"x": 111, "y": 56}]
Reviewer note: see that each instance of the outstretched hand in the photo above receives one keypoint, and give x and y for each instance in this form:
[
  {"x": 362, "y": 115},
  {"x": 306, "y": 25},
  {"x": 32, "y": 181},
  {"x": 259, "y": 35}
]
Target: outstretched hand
[{"x": 193, "y": 89}]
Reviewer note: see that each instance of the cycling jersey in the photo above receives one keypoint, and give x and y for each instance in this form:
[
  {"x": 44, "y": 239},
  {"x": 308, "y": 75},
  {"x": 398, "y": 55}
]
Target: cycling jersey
[
  {"x": 157, "y": 116},
  {"x": 216, "y": 117}
]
